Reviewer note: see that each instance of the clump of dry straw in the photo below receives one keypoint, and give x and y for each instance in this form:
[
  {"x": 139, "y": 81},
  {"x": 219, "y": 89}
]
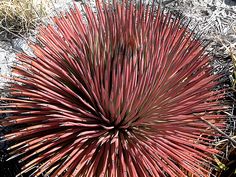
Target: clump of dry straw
[{"x": 18, "y": 17}]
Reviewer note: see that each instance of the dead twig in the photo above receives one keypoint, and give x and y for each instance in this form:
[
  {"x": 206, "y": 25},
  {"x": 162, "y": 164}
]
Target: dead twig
[{"x": 218, "y": 130}]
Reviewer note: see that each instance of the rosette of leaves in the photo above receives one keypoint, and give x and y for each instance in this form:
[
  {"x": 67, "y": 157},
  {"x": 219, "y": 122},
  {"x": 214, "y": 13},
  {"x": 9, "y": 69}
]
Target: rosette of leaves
[{"x": 121, "y": 90}]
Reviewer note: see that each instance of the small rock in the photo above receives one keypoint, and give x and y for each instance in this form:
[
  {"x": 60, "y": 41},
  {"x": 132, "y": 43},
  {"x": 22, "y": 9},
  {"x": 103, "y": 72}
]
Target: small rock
[{"x": 21, "y": 45}]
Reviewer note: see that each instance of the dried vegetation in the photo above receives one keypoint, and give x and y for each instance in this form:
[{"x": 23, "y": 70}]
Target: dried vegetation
[{"x": 18, "y": 17}]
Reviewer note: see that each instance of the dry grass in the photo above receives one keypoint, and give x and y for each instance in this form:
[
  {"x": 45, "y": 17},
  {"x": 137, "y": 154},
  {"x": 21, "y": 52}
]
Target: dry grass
[
  {"x": 227, "y": 164},
  {"x": 230, "y": 50},
  {"x": 18, "y": 17}
]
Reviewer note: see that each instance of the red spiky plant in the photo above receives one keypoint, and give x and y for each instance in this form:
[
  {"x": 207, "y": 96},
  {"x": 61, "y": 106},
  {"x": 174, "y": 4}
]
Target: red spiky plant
[{"x": 122, "y": 92}]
